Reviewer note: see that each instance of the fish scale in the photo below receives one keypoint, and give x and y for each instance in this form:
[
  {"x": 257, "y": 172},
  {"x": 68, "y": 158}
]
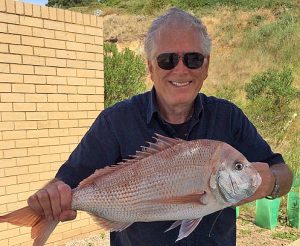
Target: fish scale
[{"x": 171, "y": 179}]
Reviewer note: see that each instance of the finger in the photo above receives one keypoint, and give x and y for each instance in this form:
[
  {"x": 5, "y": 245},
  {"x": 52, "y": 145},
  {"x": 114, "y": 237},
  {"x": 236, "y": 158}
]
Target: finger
[
  {"x": 54, "y": 197},
  {"x": 34, "y": 203},
  {"x": 68, "y": 215},
  {"x": 45, "y": 203},
  {"x": 65, "y": 196}
]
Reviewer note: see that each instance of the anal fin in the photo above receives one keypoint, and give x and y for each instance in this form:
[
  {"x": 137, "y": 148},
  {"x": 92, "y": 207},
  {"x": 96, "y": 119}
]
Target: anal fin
[{"x": 187, "y": 227}]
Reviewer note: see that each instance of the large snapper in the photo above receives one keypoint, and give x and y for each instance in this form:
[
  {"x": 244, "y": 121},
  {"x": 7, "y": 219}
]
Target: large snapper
[{"x": 171, "y": 179}]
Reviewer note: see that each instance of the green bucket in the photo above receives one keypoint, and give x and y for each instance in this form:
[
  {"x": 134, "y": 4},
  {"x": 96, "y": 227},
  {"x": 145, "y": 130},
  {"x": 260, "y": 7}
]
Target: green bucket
[
  {"x": 293, "y": 203},
  {"x": 266, "y": 215}
]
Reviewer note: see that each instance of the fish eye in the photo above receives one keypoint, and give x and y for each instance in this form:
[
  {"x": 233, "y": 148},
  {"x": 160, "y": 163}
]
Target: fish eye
[{"x": 239, "y": 166}]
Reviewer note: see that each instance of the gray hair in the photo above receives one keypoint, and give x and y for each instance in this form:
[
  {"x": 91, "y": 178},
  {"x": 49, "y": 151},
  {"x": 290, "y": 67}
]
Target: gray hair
[{"x": 182, "y": 18}]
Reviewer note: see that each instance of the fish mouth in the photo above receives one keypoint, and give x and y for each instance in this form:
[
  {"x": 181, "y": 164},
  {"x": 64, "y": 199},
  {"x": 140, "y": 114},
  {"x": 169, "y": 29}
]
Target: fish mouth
[{"x": 180, "y": 83}]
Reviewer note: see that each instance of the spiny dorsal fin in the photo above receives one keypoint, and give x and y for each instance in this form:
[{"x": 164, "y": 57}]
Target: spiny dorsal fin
[{"x": 161, "y": 144}]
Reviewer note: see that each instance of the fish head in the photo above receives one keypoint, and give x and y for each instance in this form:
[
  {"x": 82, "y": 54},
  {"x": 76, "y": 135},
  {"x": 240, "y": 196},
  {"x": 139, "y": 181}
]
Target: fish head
[{"x": 235, "y": 178}]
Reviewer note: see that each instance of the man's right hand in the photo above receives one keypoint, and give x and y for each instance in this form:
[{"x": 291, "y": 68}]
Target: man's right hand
[{"x": 53, "y": 201}]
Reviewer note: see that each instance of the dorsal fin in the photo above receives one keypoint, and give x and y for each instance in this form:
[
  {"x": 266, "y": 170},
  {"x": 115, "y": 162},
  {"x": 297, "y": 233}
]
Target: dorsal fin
[{"x": 161, "y": 144}]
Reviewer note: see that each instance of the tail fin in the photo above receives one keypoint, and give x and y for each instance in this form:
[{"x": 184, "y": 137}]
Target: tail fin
[{"x": 41, "y": 228}]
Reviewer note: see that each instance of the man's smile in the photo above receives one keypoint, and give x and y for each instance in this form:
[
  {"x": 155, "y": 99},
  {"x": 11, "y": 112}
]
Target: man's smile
[{"x": 180, "y": 83}]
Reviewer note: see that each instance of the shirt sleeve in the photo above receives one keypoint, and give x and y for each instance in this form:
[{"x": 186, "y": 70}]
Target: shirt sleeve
[
  {"x": 97, "y": 149},
  {"x": 249, "y": 142}
]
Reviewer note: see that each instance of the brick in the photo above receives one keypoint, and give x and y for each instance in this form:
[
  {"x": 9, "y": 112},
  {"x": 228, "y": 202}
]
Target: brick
[
  {"x": 100, "y": 90},
  {"x": 58, "y": 115},
  {"x": 36, "y": 115},
  {"x": 21, "y": 49},
  {"x": 54, "y": 43},
  {"x": 3, "y": 27},
  {"x": 48, "y": 124},
  {"x": 13, "y": 189},
  {"x": 76, "y": 64},
  {"x": 78, "y": 115},
  {"x": 4, "y": 68},
  {"x": 13, "y": 116},
  {"x": 37, "y": 133},
  {"x": 28, "y": 160},
  {"x": 38, "y": 150},
  {"x": 73, "y": 17},
  {"x": 26, "y": 143},
  {"x": 15, "y": 153},
  {"x": 60, "y": 15},
  {"x": 86, "y": 90},
  {"x": 43, "y": 33},
  {"x": 58, "y": 132},
  {"x": 77, "y": 98},
  {"x": 39, "y": 168},
  {"x": 20, "y": 8},
  {"x": 49, "y": 141},
  {"x": 68, "y": 140},
  {"x": 75, "y": 46},
  {"x": 28, "y": 9},
  {"x": 83, "y": 38},
  {"x": 93, "y": 114},
  {"x": 5, "y": 107},
  {"x": 31, "y": 21},
  {"x": 6, "y": 234},
  {"x": 100, "y": 74},
  {"x": 72, "y": 233},
  {"x": 27, "y": 178},
  {"x": 9, "y": 135},
  {"x": 94, "y": 65},
  {"x": 69, "y": 89},
  {"x": 80, "y": 131},
  {"x": 59, "y": 148},
  {"x": 9, "y": 18},
  {"x": 94, "y": 31},
  {"x": 68, "y": 123},
  {"x": 66, "y": 72},
  {"x": 19, "y": 239},
  {"x": 46, "y": 88},
  {"x": 37, "y": 185},
  {"x": 35, "y": 98},
  {"x": 23, "y": 88},
  {"x": 85, "y": 73},
  {"x": 100, "y": 106},
  {"x": 80, "y": 223},
  {"x": 15, "y": 171},
  {"x": 93, "y": 48},
  {"x": 79, "y": 18},
  {"x": 4, "y": 48},
  {"x": 10, "y": 58},
  {"x": 24, "y": 125},
  {"x": 67, "y": 36},
  {"x": 67, "y": 106},
  {"x": 38, "y": 51},
  {"x": 93, "y": 20},
  {"x": 85, "y": 56},
  {"x": 95, "y": 82},
  {"x": 6, "y": 126},
  {"x": 47, "y": 175},
  {"x": 99, "y": 57},
  {"x": 18, "y": 29},
  {"x": 2, "y": 6},
  {"x": 17, "y": 205},
  {"x": 99, "y": 22},
  {"x": 33, "y": 41},
  {"x": 56, "y": 62},
  {"x": 24, "y": 106},
  {"x": 44, "y": 70},
  {"x": 13, "y": 78},
  {"x": 21, "y": 69},
  {"x": 45, "y": 12},
  {"x": 10, "y": 6},
  {"x": 74, "y": 28},
  {"x": 47, "y": 107},
  {"x": 57, "y": 98},
  {"x": 36, "y": 10},
  {"x": 34, "y": 60},
  {"x": 76, "y": 81},
  {"x": 6, "y": 145},
  {"x": 54, "y": 25},
  {"x": 51, "y": 157},
  {"x": 86, "y": 106},
  {"x": 85, "y": 122},
  {"x": 65, "y": 54},
  {"x": 52, "y": 14},
  {"x": 56, "y": 165},
  {"x": 34, "y": 79},
  {"x": 86, "y": 19},
  {"x": 8, "y": 163},
  {"x": 5, "y": 88}
]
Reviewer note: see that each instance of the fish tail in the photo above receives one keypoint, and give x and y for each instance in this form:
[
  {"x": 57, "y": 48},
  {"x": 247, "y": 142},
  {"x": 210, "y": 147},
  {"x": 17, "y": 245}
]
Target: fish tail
[{"x": 41, "y": 228}]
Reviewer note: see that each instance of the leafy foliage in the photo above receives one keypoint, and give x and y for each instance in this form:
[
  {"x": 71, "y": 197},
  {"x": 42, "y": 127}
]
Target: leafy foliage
[
  {"x": 270, "y": 95},
  {"x": 67, "y": 3},
  {"x": 124, "y": 74}
]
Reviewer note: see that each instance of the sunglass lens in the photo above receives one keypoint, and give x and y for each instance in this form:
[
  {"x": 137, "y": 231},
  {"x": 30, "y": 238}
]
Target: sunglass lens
[
  {"x": 167, "y": 61},
  {"x": 193, "y": 60}
]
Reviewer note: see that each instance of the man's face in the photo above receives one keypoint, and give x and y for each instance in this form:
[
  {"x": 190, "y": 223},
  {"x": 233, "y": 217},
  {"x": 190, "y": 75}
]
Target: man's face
[{"x": 180, "y": 85}]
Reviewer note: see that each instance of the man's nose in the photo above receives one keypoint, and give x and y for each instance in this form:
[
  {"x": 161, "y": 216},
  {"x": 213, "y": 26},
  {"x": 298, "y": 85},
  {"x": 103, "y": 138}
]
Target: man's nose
[{"x": 180, "y": 68}]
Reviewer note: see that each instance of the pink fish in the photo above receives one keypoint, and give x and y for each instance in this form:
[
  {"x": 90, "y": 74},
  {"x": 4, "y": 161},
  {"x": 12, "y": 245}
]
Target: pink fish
[{"x": 172, "y": 179}]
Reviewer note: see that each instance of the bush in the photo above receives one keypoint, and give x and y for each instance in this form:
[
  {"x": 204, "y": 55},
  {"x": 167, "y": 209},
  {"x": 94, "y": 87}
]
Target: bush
[
  {"x": 124, "y": 74},
  {"x": 270, "y": 96}
]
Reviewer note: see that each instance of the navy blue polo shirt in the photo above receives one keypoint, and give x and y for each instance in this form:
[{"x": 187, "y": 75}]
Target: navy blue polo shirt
[{"x": 122, "y": 129}]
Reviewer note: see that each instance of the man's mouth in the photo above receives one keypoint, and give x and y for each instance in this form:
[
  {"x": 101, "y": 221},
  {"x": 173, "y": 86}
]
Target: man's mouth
[{"x": 180, "y": 83}]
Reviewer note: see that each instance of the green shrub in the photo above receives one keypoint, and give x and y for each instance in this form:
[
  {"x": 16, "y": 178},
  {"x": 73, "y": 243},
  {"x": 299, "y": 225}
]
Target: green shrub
[
  {"x": 124, "y": 74},
  {"x": 270, "y": 96}
]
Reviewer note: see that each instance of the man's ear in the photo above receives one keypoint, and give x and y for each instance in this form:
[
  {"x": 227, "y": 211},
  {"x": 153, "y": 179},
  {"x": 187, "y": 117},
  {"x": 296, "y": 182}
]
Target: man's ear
[
  {"x": 206, "y": 66},
  {"x": 150, "y": 68}
]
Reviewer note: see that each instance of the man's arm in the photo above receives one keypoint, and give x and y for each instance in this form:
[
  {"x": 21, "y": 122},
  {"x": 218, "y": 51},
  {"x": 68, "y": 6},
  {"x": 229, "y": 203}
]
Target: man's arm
[
  {"x": 284, "y": 179},
  {"x": 53, "y": 201}
]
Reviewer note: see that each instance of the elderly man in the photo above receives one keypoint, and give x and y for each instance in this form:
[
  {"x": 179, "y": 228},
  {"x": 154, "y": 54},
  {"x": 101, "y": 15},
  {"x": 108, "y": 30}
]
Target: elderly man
[{"x": 178, "y": 51}]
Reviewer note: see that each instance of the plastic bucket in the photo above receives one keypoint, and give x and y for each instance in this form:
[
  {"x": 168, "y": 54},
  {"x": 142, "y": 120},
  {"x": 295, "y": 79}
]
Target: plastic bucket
[{"x": 293, "y": 203}]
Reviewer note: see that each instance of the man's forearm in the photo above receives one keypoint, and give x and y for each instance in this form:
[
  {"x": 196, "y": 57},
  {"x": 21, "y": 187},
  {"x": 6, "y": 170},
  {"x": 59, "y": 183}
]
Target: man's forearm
[{"x": 284, "y": 177}]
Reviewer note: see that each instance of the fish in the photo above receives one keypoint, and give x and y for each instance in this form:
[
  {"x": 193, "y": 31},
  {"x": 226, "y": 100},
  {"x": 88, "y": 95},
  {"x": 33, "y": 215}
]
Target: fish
[{"x": 170, "y": 179}]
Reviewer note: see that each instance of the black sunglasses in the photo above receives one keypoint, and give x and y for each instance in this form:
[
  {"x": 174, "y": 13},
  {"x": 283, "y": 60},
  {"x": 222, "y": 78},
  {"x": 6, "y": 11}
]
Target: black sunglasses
[{"x": 168, "y": 61}]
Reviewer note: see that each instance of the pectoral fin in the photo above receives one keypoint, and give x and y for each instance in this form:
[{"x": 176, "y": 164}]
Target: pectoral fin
[{"x": 187, "y": 227}]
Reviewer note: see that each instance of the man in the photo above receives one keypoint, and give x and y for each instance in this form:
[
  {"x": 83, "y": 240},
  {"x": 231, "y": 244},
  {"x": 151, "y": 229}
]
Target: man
[{"x": 178, "y": 51}]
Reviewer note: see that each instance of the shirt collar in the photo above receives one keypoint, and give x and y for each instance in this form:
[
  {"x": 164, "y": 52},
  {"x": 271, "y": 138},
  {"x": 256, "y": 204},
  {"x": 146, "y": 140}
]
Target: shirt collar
[{"x": 153, "y": 107}]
